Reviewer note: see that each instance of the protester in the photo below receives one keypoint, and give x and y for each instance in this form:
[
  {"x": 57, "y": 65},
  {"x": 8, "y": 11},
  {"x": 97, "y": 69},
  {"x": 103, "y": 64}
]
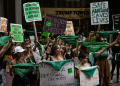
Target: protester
[
  {"x": 52, "y": 37},
  {"x": 77, "y": 31}
]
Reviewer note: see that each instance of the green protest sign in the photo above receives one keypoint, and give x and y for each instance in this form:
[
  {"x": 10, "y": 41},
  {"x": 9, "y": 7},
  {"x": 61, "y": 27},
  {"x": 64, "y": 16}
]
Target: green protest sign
[
  {"x": 99, "y": 13},
  {"x": 16, "y": 30},
  {"x": 32, "y": 11}
]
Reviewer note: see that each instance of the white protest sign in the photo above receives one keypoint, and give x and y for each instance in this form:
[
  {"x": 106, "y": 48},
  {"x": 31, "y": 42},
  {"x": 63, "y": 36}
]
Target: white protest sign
[
  {"x": 3, "y": 24},
  {"x": 69, "y": 29},
  {"x": 32, "y": 38},
  {"x": 49, "y": 76},
  {"x": 99, "y": 13},
  {"x": 36, "y": 57},
  {"x": 85, "y": 80}
]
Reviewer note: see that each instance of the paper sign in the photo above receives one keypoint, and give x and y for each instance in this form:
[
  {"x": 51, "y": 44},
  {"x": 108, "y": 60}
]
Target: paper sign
[
  {"x": 36, "y": 57},
  {"x": 32, "y": 38},
  {"x": 54, "y": 24},
  {"x": 45, "y": 34},
  {"x": 3, "y": 24},
  {"x": 99, "y": 13},
  {"x": 85, "y": 80},
  {"x": 116, "y": 22},
  {"x": 17, "y": 33},
  {"x": 51, "y": 77},
  {"x": 32, "y": 11},
  {"x": 69, "y": 29}
]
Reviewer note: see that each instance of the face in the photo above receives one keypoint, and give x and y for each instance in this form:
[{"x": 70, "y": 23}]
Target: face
[
  {"x": 77, "y": 31},
  {"x": 84, "y": 60},
  {"x": 102, "y": 40},
  {"x": 82, "y": 34},
  {"x": 58, "y": 50},
  {"x": 27, "y": 41},
  {"x": 28, "y": 48},
  {"x": 68, "y": 47},
  {"x": 50, "y": 45},
  {"x": 20, "y": 54},
  {"x": 40, "y": 39},
  {"x": 105, "y": 40},
  {"x": 12, "y": 49}
]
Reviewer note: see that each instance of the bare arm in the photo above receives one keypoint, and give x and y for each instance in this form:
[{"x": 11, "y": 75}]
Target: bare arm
[{"x": 45, "y": 46}]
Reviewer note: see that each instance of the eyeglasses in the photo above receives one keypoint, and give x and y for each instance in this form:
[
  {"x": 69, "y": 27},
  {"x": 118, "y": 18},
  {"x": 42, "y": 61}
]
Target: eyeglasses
[{"x": 50, "y": 45}]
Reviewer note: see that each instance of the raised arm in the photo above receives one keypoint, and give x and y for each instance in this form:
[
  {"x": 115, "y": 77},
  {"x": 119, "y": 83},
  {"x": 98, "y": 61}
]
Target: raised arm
[{"x": 45, "y": 46}]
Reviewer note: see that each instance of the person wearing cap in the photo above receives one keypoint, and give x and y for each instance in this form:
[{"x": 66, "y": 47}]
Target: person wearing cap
[
  {"x": 17, "y": 80},
  {"x": 77, "y": 31}
]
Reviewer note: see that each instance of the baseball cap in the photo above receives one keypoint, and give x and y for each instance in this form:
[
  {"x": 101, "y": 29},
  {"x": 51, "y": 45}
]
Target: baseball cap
[
  {"x": 77, "y": 28},
  {"x": 19, "y": 49}
]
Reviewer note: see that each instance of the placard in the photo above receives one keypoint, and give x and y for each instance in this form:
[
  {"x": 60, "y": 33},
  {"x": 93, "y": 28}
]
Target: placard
[
  {"x": 69, "y": 29},
  {"x": 36, "y": 57},
  {"x": 85, "y": 80},
  {"x": 3, "y": 24},
  {"x": 54, "y": 24},
  {"x": 116, "y": 22},
  {"x": 49, "y": 76},
  {"x": 99, "y": 13},
  {"x": 17, "y": 33},
  {"x": 32, "y": 11}
]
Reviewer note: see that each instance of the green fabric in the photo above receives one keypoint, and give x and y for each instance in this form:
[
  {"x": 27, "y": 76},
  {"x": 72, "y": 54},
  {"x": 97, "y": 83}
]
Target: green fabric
[
  {"x": 3, "y": 40},
  {"x": 40, "y": 48},
  {"x": 103, "y": 56},
  {"x": 45, "y": 34},
  {"x": 93, "y": 46},
  {"x": 23, "y": 68},
  {"x": 89, "y": 71},
  {"x": 105, "y": 34},
  {"x": 30, "y": 33},
  {"x": 69, "y": 39},
  {"x": 57, "y": 64}
]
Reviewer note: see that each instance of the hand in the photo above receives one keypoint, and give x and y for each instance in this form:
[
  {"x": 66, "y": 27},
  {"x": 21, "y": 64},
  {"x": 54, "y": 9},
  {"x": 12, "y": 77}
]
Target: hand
[
  {"x": 73, "y": 59},
  {"x": 98, "y": 67},
  {"x": 41, "y": 61},
  {"x": 6, "y": 33},
  {"x": 91, "y": 33},
  {"x": 11, "y": 37},
  {"x": 28, "y": 56},
  {"x": 44, "y": 56}
]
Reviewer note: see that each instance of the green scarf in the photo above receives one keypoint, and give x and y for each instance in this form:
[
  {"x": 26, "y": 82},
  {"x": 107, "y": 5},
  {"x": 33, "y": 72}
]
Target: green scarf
[
  {"x": 93, "y": 46},
  {"x": 3, "y": 40},
  {"x": 40, "y": 48},
  {"x": 45, "y": 34},
  {"x": 69, "y": 39},
  {"x": 105, "y": 34},
  {"x": 30, "y": 33},
  {"x": 57, "y": 64},
  {"x": 89, "y": 71}
]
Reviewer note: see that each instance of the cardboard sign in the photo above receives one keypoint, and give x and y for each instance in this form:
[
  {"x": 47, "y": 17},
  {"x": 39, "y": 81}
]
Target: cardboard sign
[
  {"x": 3, "y": 24},
  {"x": 116, "y": 22},
  {"x": 36, "y": 57},
  {"x": 17, "y": 33},
  {"x": 32, "y": 11},
  {"x": 85, "y": 80},
  {"x": 51, "y": 77},
  {"x": 69, "y": 29},
  {"x": 99, "y": 13},
  {"x": 54, "y": 24}
]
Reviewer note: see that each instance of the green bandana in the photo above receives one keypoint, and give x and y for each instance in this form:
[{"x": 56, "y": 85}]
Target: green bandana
[
  {"x": 23, "y": 68},
  {"x": 3, "y": 40},
  {"x": 30, "y": 33},
  {"x": 57, "y": 64},
  {"x": 40, "y": 48},
  {"x": 105, "y": 34},
  {"x": 93, "y": 46},
  {"x": 69, "y": 39},
  {"x": 89, "y": 71},
  {"x": 45, "y": 34}
]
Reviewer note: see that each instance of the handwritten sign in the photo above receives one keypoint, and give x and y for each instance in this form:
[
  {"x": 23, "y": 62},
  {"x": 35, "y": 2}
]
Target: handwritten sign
[
  {"x": 51, "y": 77},
  {"x": 99, "y": 13},
  {"x": 3, "y": 24},
  {"x": 32, "y": 11},
  {"x": 17, "y": 33},
  {"x": 54, "y": 24},
  {"x": 36, "y": 57},
  {"x": 85, "y": 80},
  {"x": 69, "y": 29},
  {"x": 116, "y": 22}
]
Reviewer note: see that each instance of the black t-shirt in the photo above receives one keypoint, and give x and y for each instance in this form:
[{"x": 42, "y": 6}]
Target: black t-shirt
[
  {"x": 76, "y": 34},
  {"x": 115, "y": 35},
  {"x": 52, "y": 37}
]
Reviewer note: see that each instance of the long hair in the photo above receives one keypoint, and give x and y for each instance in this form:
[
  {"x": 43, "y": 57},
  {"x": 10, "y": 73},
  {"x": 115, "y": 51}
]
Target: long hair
[{"x": 54, "y": 48}]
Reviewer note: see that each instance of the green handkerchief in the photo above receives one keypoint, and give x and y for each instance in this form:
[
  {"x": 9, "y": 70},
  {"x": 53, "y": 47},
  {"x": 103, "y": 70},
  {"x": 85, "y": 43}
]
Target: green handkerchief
[
  {"x": 3, "y": 40},
  {"x": 69, "y": 39},
  {"x": 89, "y": 71},
  {"x": 57, "y": 64},
  {"x": 93, "y": 46},
  {"x": 45, "y": 34},
  {"x": 105, "y": 34},
  {"x": 40, "y": 48},
  {"x": 30, "y": 33}
]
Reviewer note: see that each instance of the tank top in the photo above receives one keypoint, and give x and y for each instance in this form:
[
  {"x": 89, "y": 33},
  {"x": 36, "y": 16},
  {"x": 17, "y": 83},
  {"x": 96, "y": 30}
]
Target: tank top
[
  {"x": 47, "y": 55},
  {"x": 68, "y": 56},
  {"x": 52, "y": 59}
]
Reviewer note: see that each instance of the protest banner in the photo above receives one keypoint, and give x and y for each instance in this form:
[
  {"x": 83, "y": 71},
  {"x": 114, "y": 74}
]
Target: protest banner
[
  {"x": 116, "y": 22},
  {"x": 17, "y": 32},
  {"x": 99, "y": 13},
  {"x": 54, "y": 24},
  {"x": 69, "y": 29},
  {"x": 3, "y": 24},
  {"x": 36, "y": 57},
  {"x": 51, "y": 76},
  {"x": 32, "y": 11},
  {"x": 86, "y": 79}
]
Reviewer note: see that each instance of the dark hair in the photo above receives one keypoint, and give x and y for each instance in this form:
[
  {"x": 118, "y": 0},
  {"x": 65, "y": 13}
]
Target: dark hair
[
  {"x": 8, "y": 52},
  {"x": 82, "y": 55},
  {"x": 98, "y": 39},
  {"x": 53, "y": 49},
  {"x": 27, "y": 38},
  {"x": 83, "y": 48}
]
